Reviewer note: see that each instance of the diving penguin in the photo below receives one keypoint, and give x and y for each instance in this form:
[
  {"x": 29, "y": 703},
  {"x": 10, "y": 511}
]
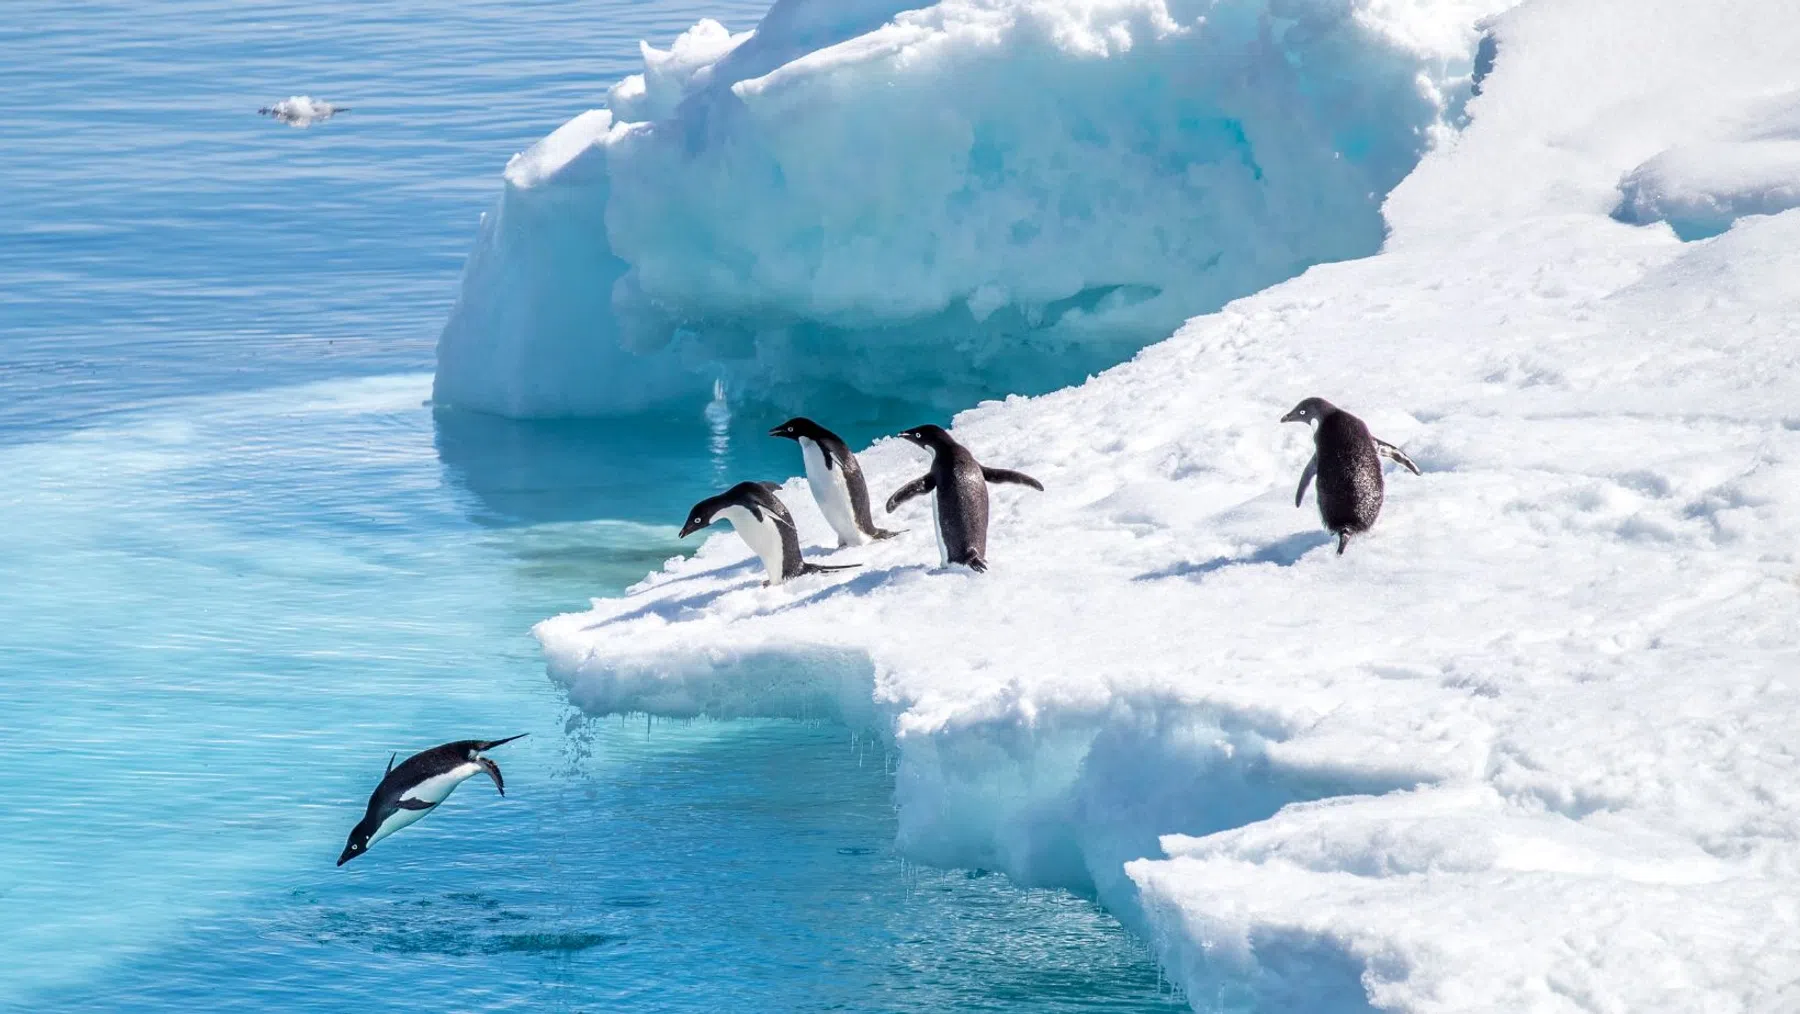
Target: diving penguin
[
  {"x": 1347, "y": 461},
  {"x": 960, "y": 483},
  {"x": 418, "y": 785},
  {"x": 763, "y": 522},
  {"x": 836, "y": 481}
]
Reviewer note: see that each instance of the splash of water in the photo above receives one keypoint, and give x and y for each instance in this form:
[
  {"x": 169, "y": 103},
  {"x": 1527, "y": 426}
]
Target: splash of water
[{"x": 718, "y": 416}]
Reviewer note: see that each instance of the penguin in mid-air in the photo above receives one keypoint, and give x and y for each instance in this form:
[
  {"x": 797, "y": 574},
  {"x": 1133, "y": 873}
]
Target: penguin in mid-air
[
  {"x": 763, "y": 522},
  {"x": 960, "y": 483},
  {"x": 418, "y": 785},
  {"x": 1347, "y": 462},
  {"x": 836, "y": 480}
]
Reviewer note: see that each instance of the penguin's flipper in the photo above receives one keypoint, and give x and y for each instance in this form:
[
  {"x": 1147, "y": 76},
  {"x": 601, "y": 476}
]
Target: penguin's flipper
[
  {"x": 414, "y": 804},
  {"x": 493, "y": 771},
  {"x": 923, "y": 484},
  {"x": 1008, "y": 475},
  {"x": 1395, "y": 454},
  {"x": 1306, "y": 478},
  {"x": 391, "y": 758},
  {"x": 821, "y": 568}
]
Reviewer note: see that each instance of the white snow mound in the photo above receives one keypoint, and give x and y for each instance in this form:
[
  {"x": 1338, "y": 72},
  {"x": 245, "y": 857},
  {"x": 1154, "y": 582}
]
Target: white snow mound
[
  {"x": 1529, "y": 746},
  {"x": 1701, "y": 188},
  {"x": 976, "y": 197}
]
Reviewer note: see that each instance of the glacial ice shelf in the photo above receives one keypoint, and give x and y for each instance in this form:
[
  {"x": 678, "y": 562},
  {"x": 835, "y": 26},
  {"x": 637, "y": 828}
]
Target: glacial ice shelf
[
  {"x": 1532, "y": 745},
  {"x": 860, "y": 202}
]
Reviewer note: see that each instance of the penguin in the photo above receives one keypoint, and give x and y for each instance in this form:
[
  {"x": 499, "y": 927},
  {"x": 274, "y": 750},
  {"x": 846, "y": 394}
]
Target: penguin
[
  {"x": 302, "y": 111},
  {"x": 1347, "y": 462},
  {"x": 763, "y": 522},
  {"x": 836, "y": 481},
  {"x": 960, "y": 483},
  {"x": 415, "y": 788}
]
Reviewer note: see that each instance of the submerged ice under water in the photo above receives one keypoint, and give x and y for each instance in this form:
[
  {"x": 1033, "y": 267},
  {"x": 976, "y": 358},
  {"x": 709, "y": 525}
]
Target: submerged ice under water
[{"x": 246, "y": 560}]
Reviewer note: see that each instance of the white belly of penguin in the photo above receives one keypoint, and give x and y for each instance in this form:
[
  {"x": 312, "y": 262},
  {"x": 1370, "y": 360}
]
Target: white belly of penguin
[
  {"x": 937, "y": 529},
  {"x": 832, "y": 493},
  {"x": 435, "y": 789},
  {"x": 763, "y": 537}
]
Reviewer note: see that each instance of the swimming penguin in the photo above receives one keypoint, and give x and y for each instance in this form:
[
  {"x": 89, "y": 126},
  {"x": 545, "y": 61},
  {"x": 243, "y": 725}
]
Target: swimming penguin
[
  {"x": 962, "y": 500},
  {"x": 1348, "y": 464},
  {"x": 763, "y": 522},
  {"x": 418, "y": 785},
  {"x": 302, "y": 111},
  {"x": 836, "y": 481}
]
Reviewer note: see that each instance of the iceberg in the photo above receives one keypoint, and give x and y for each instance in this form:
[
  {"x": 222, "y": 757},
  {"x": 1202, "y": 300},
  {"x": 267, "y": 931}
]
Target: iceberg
[
  {"x": 864, "y": 203},
  {"x": 1527, "y": 747}
]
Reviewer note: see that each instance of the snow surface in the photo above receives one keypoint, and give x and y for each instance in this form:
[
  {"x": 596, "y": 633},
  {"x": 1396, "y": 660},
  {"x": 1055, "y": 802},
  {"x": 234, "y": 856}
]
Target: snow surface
[
  {"x": 974, "y": 198},
  {"x": 1702, "y": 187},
  {"x": 1530, "y": 745}
]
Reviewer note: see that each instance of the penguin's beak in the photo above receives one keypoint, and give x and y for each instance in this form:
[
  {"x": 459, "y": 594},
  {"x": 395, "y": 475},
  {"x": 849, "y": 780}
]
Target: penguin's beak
[
  {"x": 779, "y": 431},
  {"x": 690, "y": 528},
  {"x": 1293, "y": 416},
  {"x": 350, "y": 853}
]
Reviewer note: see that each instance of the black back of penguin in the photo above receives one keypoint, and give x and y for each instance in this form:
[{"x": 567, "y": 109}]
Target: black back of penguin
[
  {"x": 960, "y": 483},
  {"x": 962, "y": 502},
  {"x": 1349, "y": 480},
  {"x": 1347, "y": 464},
  {"x": 433, "y": 762}
]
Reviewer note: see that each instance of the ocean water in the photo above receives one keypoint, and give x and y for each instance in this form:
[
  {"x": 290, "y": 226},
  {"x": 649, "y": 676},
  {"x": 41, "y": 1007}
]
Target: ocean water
[{"x": 245, "y": 561}]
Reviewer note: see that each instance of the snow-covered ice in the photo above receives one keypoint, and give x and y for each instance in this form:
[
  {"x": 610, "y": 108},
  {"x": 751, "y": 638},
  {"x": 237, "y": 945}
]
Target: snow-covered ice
[
  {"x": 859, "y": 200},
  {"x": 1531, "y": 744},
  {"x": 1701, "y": 187}
]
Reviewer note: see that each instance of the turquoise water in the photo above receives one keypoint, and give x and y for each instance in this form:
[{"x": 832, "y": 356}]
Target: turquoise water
[{"x": 246, "y": 561}]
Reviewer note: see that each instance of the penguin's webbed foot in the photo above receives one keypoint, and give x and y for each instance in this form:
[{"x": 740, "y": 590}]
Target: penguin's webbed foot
[
  {"x": 824, "y": 568},
  {"x": 1343, "y": 542}
]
